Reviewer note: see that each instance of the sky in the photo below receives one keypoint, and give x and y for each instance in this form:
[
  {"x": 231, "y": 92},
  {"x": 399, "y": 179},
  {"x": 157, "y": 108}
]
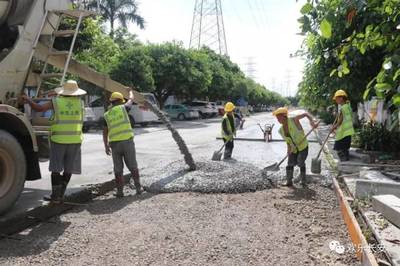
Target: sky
[{"x": 262, "y": 32}]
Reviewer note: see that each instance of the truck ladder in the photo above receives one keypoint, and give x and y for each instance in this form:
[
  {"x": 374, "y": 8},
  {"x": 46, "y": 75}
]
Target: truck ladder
[{"x": 77, "y": 14}]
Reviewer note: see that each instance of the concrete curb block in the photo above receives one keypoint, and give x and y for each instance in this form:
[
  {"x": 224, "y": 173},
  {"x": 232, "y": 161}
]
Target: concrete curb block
[
  {"x": 388, "y": 206},
  {"x": 368, "y": 188}
]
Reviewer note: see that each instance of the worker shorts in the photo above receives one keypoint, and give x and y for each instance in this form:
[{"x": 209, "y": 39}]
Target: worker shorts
[
  {"x": 343, "y": 144},
  {"x": 298, "y": 159},
  {"x": 123, "y": 151},
  {"x": 65, "y": 157}
]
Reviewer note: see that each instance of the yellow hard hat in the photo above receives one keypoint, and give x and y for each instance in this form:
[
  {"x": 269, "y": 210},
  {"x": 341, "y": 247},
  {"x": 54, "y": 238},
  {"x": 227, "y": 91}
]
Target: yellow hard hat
[
  {"x": 117, "y": 96},
  {"x": 229, "y": 107},
  {"x": 339, "y": 93},
  {"x": 280, "y": 111}
]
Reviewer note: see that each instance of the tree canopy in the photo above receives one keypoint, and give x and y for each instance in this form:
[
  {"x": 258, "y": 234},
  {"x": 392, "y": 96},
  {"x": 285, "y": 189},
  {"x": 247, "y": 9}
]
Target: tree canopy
[{"x": 351, "y": 45}]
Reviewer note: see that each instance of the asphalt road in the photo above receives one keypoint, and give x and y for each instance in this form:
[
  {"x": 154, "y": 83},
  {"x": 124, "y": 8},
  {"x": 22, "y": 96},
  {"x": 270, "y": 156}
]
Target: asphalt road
[{"x": 154, "y": 146}]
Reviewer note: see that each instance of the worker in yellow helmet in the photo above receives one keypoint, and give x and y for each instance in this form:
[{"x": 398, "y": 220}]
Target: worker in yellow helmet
[
  {"x": 65, "y": 136},
  {"x": 297, "y": 145},
  {"x": 118, "y": 141},
  {"x": 343, "y": 125},
  {"x": 228, "y": 129}
]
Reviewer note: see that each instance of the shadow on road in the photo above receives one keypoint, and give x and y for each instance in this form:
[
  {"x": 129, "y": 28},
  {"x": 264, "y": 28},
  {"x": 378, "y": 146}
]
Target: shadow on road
[
  {"x": 34, "y": 241},
  {"x": 112, "y": 204},
  {"x": 158, "y": 185}
]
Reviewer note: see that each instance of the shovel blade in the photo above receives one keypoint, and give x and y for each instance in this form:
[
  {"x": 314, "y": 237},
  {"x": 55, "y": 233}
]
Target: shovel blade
[
  {"x": 316, "y": 166},
  {"x": 217, "y": 156},
  {"x": 272, "y": 168}
]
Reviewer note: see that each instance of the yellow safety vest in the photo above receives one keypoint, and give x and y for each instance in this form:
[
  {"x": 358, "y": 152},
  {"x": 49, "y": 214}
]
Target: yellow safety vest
[
  {"x": 296, "y": 138},
  {"x": 346, "y": 128},
  {"x": 229, "y": 127},
  {"x": 119, "y": 126},
  {"x": 67, "y": 120}
]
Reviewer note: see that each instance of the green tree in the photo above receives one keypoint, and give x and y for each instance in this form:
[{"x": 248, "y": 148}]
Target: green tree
[
  {"x": 177, "y": 71},
  {"x": 354, "y": 45},
  {"x": 133, "y": 69},
  {"x": 121, "y": 11}
]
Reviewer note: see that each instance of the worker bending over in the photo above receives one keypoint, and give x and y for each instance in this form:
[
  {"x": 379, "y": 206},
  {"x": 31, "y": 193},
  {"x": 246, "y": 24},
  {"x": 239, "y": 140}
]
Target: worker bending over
[
  {"x": 65, "y": 136},
  {"x": 118, "y": 141},
  {"x": 297, "y": 145},
  {"x": 228, "y": 129},
  {"x": 343, "y": 126}
]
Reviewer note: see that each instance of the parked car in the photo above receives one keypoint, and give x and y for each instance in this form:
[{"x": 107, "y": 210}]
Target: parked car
[
  {"x": 89, "y": 120},
  {"x": 138, "y": 114},
  {"x": 205, "y": 109},
  {"x": 220, "y": 107},
  {"x": 181, "y": 112}
]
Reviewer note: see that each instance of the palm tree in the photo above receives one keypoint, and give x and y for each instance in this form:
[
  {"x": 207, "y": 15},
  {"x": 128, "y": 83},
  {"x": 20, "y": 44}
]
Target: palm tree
[{"x": 123, "y": 11}]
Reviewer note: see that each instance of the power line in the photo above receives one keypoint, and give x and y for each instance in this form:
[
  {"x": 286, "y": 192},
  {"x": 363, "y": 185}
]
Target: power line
[
  {"x": 263, "y": 12},
  {"x": 252, "y": 14}
]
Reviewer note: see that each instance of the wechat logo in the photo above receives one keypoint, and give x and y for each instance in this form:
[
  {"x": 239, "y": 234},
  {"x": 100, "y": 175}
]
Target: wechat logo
[{"x": 337, "y": 247}]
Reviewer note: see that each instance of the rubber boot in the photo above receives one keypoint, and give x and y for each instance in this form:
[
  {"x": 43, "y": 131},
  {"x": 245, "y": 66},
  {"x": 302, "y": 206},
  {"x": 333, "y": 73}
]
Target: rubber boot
[
  {"x": 136, "y": 181},
  {"x": 342, "y": 156},
  {"x": 55, "y": 183},
  {"x": 120, "y": 186},
  {"x": 347, "y": 155},
  {"x": 227, "y": 154},
  {"x": 56, "y": 195},
  {"x": 65, "y": 181},
  {"x": 303, "y": 177},
  {"x": 289, "y": 176}
]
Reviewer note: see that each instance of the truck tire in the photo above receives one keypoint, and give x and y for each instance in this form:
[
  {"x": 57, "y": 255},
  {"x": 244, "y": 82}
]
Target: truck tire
[{"x": 12, "y": 170}]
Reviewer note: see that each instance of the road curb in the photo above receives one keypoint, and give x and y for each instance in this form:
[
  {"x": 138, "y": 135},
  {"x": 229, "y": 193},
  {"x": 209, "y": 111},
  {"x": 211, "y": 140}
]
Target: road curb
[{"x": 363, "y": 251}]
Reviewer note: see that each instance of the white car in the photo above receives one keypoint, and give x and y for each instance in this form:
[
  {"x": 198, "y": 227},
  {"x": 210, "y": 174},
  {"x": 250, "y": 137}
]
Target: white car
[
  {"x": 205, "y": 109},
  {"x": 138, "y": 114}
]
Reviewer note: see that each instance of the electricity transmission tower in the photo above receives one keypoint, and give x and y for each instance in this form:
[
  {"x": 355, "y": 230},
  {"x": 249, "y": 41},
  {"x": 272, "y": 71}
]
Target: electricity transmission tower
[
  {"x": 251, "y": 68},
  {"x": 208, "y": 26}
]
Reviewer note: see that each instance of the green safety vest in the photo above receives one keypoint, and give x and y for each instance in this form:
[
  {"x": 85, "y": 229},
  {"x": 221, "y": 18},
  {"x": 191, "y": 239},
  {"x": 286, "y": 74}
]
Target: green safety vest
[
  {"x": 119, "y": 126},
  {"x": 229, "y": 127},
  {"x": 67, "y": 120},
  {"x": 296, "y": 138},
  {"x": 346, "y": 128}
]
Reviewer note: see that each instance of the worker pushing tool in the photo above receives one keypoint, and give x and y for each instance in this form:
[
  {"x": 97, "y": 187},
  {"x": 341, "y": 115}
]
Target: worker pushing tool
[
  {"x": 297, "y": 145},
  {"x": 228, "y": 130},
  {"x": 118, "y": 141},
  {"x": 343, "y": 125},
  {"x": 65, "y": 136}
]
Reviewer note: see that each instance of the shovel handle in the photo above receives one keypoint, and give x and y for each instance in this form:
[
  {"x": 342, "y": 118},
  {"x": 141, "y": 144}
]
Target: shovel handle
[
  {"x": 305, "y": 137},
  {"x": 224, "y": 145},
  {"x": 327, "y": 137},
  {"x": 281, "y": 161}
]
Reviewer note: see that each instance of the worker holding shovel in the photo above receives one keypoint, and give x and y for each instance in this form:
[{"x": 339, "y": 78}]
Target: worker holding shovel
[
  {"x": 228, "y": 129},
  {"x": 297, "y": 145},
  {"x": 118, "y": 141},
  {"x": 343, "y": 125}
]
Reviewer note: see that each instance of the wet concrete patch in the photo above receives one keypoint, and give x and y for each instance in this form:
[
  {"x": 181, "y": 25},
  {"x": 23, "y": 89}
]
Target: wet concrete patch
[{"x": 210, "y": 177}]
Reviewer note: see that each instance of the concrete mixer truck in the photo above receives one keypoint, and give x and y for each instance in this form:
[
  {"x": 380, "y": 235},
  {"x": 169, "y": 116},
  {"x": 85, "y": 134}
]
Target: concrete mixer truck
[{"x": 28, "y": 29}]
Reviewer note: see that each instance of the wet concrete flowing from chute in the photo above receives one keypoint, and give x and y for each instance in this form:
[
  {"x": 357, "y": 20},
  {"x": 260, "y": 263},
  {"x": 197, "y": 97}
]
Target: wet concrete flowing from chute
[{"x": 175, "y": 135}]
